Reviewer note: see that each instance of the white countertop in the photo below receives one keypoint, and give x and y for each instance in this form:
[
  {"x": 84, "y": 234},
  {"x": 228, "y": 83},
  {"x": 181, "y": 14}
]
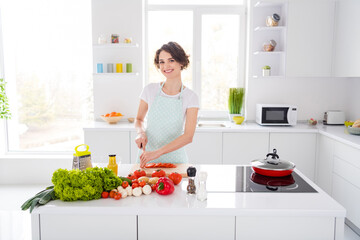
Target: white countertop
[
  {"x": 217, "y": 203},
  {"x": 338, "y": 133}
]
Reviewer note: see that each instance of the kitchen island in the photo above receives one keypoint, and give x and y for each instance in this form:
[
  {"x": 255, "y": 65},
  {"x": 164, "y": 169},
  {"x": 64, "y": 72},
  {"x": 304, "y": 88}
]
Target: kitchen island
[{"x": 226, "y": 214}]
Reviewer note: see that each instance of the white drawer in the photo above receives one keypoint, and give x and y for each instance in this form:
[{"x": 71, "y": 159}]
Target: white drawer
[
  {"x": 348, "y": 196},
  {"x": 350, "y": 154},
  {"x": 347, "y": 171}
]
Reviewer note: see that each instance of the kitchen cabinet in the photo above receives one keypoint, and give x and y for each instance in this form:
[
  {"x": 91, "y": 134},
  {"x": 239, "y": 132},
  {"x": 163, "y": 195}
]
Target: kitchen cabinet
[
  {"x": 347, "y": 38},
  {"x": 316, "y": 228},
  {"x": 104, "y": 142},
  {"x": 187, "y": 227},
  {"x": 206, "y": 148},
  {"x": 310, "y": 36},
  {"x": 242, "y": 148},
  {"x": 324, "y": 163},
  {"x": 346, "y": 181},
  {"x": 261, "y": 34},
  {"x": 299, "y": 148},
  {"x": 82, "y": 226}
]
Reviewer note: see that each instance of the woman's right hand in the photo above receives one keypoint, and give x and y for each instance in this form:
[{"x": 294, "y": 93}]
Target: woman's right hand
[{"x": 141, "y": 140}]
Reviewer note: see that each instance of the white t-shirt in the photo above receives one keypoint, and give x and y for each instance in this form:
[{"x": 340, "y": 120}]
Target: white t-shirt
[{"x": 189, "y": 97}]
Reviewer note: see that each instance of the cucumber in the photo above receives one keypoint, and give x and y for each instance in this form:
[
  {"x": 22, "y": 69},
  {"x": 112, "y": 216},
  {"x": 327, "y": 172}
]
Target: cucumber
[{"x": 126, "y": 179}]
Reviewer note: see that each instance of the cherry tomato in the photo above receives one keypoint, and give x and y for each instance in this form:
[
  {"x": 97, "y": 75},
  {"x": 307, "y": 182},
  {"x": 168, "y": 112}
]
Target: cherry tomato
[
  {"x": 135, "y": 185},
  {"x": 135, "y": 181},
  {"x": 112, "y": 194},
  {"x": 117, "y": 196},
  {"x": 153, "y": 187},
  {"x": 105, "y": 194},
  {"x": 142, "y": 183},
  {"x": 125, "y": 184},
  {"x": 131, "y": 176}
]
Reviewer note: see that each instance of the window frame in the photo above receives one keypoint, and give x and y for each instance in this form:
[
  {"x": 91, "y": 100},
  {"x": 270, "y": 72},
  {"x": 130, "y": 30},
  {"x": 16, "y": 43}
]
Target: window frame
[{"x": 198, "y": 12}]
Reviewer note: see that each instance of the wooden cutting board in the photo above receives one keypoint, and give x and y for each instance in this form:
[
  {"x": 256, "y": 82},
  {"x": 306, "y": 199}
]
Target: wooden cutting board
[{"x": 180, "y": 168}]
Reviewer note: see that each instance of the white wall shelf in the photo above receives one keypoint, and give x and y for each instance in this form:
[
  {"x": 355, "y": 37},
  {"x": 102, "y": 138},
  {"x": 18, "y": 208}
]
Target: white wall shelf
[
  {"x": 278, "y": 28},
  {"x": 261, "y": 34},
  {"x": 116, "y": 74},
  {"x": 116, "y": 45}
]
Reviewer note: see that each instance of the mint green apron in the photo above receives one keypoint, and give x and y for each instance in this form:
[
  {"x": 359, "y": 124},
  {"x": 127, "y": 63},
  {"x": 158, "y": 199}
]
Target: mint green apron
[{"x": 164, "y": 125}]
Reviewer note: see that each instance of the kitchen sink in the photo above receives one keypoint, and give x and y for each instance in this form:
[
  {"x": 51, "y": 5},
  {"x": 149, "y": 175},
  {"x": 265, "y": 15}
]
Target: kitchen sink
[{"x": 211, "y": 125}]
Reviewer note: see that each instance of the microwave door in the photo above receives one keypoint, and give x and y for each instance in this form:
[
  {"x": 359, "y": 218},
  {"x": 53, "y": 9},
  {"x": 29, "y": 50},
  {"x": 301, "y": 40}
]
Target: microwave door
[{"x": 273, "y": 115}]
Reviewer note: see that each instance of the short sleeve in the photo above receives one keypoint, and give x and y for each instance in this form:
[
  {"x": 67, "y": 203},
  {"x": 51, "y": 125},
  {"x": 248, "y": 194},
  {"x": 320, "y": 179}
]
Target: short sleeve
[
  {"x": 145, "y": 94},
  {"x": 194, "y": 101}
]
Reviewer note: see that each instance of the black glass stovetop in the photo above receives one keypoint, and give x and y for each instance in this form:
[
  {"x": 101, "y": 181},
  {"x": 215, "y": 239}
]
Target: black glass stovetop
[
  {"x": 244, "y": 179},
  {"x": 249, "y": 181}
]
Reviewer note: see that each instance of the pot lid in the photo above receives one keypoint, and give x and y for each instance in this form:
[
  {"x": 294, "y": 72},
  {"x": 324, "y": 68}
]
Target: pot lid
[{"x": 273, "y": 162}]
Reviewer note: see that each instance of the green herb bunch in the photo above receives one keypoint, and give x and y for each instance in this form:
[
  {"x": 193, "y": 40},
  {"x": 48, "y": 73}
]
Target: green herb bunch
[
  {"x": 236, "y": 97},
  {"x": 4, "y": 103}
]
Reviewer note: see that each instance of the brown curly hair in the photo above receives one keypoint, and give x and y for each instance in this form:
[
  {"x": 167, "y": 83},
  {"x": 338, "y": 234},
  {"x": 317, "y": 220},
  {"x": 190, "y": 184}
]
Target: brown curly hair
[{"x": 176, "y": 51}]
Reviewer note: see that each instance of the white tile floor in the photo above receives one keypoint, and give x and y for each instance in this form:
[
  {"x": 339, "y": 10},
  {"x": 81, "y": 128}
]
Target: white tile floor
[{"x": 16, "y": 224}]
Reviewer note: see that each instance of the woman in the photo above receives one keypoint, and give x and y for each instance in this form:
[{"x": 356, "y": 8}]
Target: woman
[{"x": 167, "y": 105}]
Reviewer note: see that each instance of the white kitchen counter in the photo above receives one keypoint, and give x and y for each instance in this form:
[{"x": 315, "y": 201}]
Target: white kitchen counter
[
  {"x": 338, "y": 133},
  {"x": 228, "y": 211},
  {"x": 218, "y": 203}
]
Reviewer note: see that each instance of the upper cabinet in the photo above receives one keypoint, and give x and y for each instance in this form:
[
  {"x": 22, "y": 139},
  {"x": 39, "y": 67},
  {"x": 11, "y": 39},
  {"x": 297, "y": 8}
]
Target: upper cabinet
[
  {"x": 310, "y": 35},
  {"x": 267, "y": 45},
  {"x": 347, "y": 39}
]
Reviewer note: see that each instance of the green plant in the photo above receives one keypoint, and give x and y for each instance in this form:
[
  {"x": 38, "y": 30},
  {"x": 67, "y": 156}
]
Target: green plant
[
  {"x": 4, "y": 104},
  {"x": 236, "y": 97},
  {"x": 266, "y": 67}
]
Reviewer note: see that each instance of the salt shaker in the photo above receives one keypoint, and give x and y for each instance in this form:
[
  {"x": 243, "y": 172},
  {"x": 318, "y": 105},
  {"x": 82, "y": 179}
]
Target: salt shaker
[
  {"x": 202, "y": 194},
  {"x": 191, "y": 172}
]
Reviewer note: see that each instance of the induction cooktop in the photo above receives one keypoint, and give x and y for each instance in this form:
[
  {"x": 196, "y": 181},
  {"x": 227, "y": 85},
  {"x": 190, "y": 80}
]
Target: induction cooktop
[{"x": 244, "y": 179}]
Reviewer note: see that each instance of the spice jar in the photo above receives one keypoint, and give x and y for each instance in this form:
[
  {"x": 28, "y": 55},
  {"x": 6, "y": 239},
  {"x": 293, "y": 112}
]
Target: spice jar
[
  {"x": 202, "y": 194},
  {"x": 191, "y": 172},
  {"x": 269, "y": 46},
  {"x": 273, "y": 20}
]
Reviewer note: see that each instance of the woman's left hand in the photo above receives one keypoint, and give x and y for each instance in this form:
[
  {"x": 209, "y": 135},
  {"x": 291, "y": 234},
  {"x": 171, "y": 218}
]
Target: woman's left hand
[{"x": 148, "y": 156}]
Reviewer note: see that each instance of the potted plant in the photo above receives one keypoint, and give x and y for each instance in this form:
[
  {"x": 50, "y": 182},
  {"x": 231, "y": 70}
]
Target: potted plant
[
  {"x": 266, "y": 71},
  {"x": 4, "y": 104},
  {"x": 236, "y": 97}
]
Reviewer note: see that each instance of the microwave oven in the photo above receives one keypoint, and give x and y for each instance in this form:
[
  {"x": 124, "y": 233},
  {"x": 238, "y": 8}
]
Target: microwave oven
[{"x": 276, "y": 114}]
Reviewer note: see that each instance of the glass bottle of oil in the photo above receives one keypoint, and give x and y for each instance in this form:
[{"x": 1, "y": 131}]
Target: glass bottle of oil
[{"x": 112, "y": 164}]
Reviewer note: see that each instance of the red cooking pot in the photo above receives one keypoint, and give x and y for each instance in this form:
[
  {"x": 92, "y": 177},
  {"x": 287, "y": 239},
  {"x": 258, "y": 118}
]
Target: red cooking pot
[{"x": 272, "y": 166}]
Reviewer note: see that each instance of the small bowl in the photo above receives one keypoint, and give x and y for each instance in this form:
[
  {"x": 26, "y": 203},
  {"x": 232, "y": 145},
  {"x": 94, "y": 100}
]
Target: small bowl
[
  {"x": 131, "y": 120},
  {"x": 348, "y": 123},
  {"x": 354, "y": 130},
  {"x": 111, "y": 120},
  {"x": 238, "y": 119}
]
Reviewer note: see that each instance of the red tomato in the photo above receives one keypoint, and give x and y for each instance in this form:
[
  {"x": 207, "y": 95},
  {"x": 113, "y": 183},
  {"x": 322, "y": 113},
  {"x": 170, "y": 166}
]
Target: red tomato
[
  {"x": 112, "y": 194},
  {"x": 175, "y": 177},
  {"x": 117, "y": 196},
  {"x": 142, "y": 183},
  {"x": 134, "y": 181},
  {"x": 153, "y": 187},
  {"x": 125, "y": 184},
  {"x": 158, "y": 173},
  {"x": 131, "y": 176},
  {"x": 105, "y": 194},
  {"x": 139, "y": 173},
  {"x": 135, "y": 185}
]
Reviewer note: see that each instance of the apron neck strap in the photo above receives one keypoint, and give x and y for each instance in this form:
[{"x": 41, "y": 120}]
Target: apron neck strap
[{"x": 181, "y": 90}]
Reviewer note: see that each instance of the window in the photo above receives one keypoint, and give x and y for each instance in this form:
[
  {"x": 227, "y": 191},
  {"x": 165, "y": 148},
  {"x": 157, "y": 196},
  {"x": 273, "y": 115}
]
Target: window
[
  {"x": 47, "y": 67},
  {"x": 214, "y": 36}
]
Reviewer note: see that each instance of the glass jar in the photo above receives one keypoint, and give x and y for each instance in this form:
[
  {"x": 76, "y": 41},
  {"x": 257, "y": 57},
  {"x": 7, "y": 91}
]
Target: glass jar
[
  {"x": 273, "y": 20},
  {"x": 112, "y": 164},
  {"x": 269, "y": 46}
]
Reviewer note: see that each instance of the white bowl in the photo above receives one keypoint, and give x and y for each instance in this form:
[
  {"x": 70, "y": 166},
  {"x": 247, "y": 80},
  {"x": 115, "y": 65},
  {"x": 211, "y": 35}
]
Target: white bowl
[{"x": 354, "y": 130}]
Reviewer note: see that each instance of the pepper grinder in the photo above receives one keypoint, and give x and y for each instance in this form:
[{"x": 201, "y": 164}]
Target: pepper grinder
[
  {"x": 202, "y": 194},
  {"x": 191, "y": 172}
]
